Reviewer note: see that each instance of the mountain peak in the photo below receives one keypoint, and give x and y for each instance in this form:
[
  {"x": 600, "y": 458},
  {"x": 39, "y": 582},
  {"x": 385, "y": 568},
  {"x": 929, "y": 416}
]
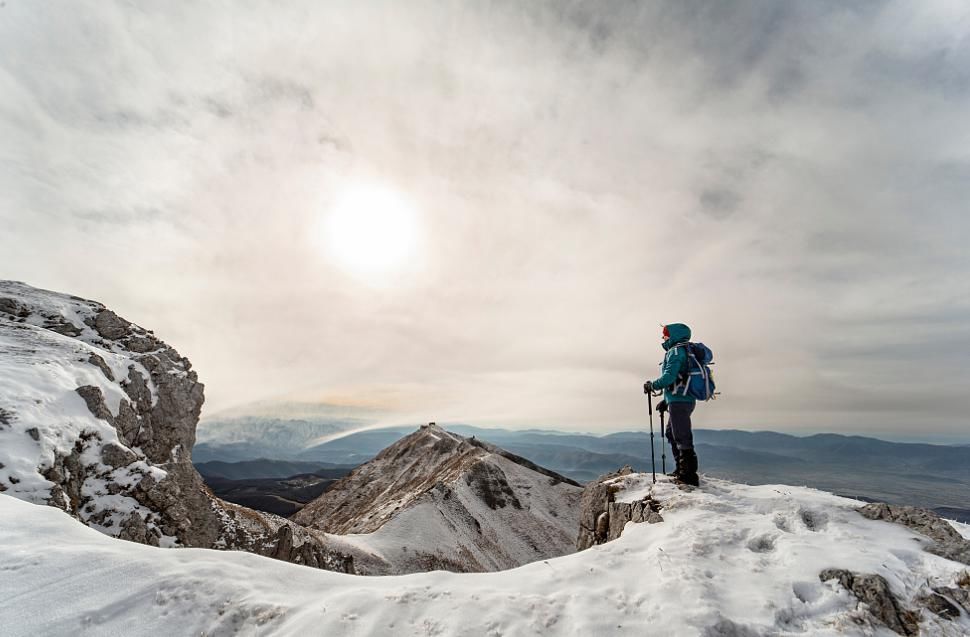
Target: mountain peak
[
  {"x": 460, "y": 503},
  {"x": 373, "y": 492}
]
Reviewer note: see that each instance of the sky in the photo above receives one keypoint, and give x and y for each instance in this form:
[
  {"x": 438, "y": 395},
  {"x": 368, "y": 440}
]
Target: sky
[{"x": 789, "y": 179}]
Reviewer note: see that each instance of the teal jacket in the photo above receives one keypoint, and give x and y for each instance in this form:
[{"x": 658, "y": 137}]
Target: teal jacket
[{"x": 675, "y": 363}]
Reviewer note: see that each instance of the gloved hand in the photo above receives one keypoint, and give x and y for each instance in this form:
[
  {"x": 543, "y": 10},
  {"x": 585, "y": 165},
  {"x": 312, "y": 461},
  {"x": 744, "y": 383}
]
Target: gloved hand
[
  {"x": 647, "y": 387},
  {"x": 662, "y": 406}
]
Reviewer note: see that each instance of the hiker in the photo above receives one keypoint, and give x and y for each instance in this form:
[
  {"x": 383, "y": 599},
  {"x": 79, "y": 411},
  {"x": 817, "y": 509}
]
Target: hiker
[{"x": 677, "y": 402}]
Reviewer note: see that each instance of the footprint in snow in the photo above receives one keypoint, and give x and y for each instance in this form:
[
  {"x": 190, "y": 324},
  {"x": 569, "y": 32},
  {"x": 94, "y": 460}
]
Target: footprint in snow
[
  {"x": 782, "y": 523},
  {"x": 762, "y": 544},
  {"x": 813, "y": 520}
]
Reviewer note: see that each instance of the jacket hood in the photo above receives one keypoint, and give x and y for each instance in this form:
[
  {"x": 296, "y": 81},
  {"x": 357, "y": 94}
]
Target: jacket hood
[{"x": 679, "y": 333}]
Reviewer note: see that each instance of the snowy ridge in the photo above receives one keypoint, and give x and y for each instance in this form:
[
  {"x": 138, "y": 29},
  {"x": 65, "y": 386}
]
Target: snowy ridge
[
  {"x": 437, "y": 500},
  {"x": 728, "y": 559}
]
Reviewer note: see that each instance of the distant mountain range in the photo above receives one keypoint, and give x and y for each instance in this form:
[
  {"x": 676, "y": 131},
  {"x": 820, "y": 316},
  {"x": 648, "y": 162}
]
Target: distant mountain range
[
  {"x": 253, "y": 437},
  {"x": 934, "y": 476}
]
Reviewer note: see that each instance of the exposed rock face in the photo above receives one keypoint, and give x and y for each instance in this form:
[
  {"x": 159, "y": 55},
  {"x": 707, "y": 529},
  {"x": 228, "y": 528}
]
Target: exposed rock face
[
  {"x": 98, "y": 417},
  {"x": 947, "y": 599},
  {"x": 882, "y": 606},
  {"x": 873, "y": 590},
  {"x": 436, "y": 500},
  {"x": 946, "y": 541},
  {"x": 602, "y": 518}
]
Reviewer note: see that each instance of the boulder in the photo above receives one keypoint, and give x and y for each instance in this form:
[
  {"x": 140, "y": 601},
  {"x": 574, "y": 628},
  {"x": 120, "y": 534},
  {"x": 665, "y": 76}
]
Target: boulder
[
  {"x": 602, "y": 518},
  {"x": 946, "y": 541},
  {"x": 873, "y": 591}
]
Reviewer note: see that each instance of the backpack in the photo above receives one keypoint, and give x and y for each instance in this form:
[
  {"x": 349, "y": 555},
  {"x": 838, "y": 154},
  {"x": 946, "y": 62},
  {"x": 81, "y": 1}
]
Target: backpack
[{"x": 697, "y": 380}]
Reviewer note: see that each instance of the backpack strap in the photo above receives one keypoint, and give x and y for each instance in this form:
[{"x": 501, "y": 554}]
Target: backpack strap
[{"x": 683, "y": 375}]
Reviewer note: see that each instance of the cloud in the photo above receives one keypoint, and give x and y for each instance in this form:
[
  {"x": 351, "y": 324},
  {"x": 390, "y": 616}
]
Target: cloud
[{"x": 789, "y": 179}]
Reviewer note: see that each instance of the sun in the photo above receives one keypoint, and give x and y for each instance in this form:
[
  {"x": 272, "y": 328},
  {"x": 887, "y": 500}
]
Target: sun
[{"x": 370, "y": 230}]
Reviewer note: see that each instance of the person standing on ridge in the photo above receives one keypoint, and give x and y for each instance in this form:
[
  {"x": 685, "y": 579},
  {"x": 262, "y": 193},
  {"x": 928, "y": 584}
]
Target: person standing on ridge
[{"x": 679, "y": 404}]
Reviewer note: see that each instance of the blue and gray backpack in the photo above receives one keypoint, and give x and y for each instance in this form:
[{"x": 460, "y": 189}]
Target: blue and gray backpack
[{"x": 697, "y": 380}]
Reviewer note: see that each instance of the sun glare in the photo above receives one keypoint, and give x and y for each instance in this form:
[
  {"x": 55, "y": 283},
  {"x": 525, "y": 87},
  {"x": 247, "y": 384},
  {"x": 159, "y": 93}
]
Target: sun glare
[{"x": 371, "y": 230}]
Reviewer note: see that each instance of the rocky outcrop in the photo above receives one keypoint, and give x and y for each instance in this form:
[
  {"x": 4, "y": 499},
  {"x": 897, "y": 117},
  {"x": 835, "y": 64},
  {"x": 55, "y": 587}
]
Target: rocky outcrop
[
  {"x": 873, "y": 591},
  {"x": 880, "y": 605},
  {"x": 945, "y": 600},
  {"x": 99, "y": 419},
  {"x": 602, "y": 518},
  {"x": 946, "y": 541}
]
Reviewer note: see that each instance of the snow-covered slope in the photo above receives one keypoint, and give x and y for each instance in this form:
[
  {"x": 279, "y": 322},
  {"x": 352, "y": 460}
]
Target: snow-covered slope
[
  {"x": 98, "y": 417},
  {"x": 728, "y": 559},
  {"x": 437, "y": 500}
]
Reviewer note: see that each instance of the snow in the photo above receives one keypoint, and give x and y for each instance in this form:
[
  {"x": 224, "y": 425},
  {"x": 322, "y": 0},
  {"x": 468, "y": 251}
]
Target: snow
[
  {"x": 435, "y": 499},
  {"x": 45, "y": 417},
  {"x": 728, "y": 559},
  {"x": 460, "y": 525},
  {"x": 39, "y": 372}
]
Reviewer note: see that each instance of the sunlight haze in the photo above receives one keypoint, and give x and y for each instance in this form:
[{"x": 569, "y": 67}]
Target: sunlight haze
[{"x": 482, "y": 212}]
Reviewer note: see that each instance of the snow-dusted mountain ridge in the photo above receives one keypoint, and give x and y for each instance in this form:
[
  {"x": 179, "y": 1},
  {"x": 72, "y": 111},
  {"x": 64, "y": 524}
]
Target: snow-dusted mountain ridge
[{"x": 438, "y": 500}]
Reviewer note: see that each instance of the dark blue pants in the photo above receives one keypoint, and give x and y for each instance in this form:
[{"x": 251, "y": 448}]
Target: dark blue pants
[{"x": 678, "y": 427}]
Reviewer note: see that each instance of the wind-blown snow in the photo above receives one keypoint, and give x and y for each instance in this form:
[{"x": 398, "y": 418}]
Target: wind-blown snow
[{"x": 729, "y": 559}]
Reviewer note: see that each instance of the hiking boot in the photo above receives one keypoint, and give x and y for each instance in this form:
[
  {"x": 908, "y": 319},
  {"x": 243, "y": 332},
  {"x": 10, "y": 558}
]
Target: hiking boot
[{"x": 688, "y": 473}]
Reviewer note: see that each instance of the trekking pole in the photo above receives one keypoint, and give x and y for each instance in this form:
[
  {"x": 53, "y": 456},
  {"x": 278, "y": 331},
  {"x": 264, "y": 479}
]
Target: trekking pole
[
  {"x": 653, "y": 459},
  {"x": 663, "y": 443}
]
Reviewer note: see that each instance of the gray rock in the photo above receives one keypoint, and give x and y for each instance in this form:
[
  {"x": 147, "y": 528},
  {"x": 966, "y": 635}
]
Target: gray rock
[
  {"x": 939, "y": 605},
  {"x": 958, "y": 596},
  {"x": 947, "y": 542},
  {"x": 602, "y": 519},
  {"x": 593, "y": 517},
  {"x": 110, "y": 326},
  {"x": 137, "y": 389},
  {"x": 64, "y": 328},
  {"x": 873, "y": 590},
  {"x": 646, "y": 510},
  {"x": 128, "y": 423},
  {"x": 12, "y": 307},
  {"x": 34, "y": 433},
  {"x": 309, "y": 553},
  {"x": 114, "y": 455},
  {"x": 98, "y": 362},
  {"x": 134, "y": 529},
  {"x": 94, "y": 399}
]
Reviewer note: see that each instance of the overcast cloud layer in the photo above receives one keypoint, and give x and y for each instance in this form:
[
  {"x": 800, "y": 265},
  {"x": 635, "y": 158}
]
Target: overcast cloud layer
[{"x": 790, "y": 179}]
